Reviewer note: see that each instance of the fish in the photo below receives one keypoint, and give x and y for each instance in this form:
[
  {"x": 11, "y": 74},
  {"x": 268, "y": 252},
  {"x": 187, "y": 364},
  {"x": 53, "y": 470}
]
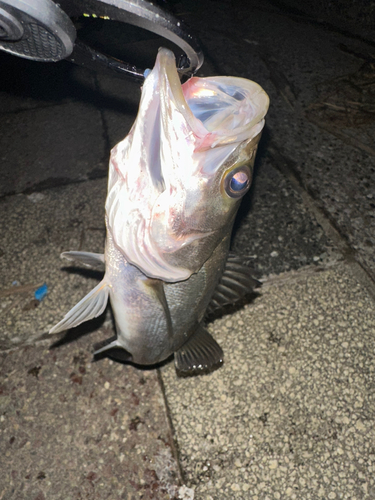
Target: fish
[{"x": 175, "y": 184}]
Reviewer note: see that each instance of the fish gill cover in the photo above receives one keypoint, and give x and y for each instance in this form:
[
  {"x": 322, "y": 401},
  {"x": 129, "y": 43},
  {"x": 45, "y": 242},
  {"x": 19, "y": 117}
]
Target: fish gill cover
[{"x": 162, "y": 195}]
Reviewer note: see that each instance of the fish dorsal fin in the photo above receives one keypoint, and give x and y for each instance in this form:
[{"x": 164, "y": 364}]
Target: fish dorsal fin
[
  {"x": 90, "y": 259},
  {"x": 91, "y": 306},
  {"x": 234, "y": 284},
  {"x": 200, "y": 354}
]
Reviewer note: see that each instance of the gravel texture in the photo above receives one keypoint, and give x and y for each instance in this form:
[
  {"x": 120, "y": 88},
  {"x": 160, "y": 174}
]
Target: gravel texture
[
  {"x": 72, "y": 429},
  {"x": 291, "y": 413},
  {"x": 34, "y": 230}
]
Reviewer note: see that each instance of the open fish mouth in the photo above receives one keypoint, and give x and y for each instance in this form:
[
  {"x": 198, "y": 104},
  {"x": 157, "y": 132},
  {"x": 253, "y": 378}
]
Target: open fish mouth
[{"x": 169, "y": 167}]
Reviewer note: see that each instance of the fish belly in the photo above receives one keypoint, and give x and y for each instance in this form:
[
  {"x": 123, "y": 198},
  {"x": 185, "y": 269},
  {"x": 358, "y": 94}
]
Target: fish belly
[
  {"x": 140, "y": 310},
  {"x": 153, "y": 318}
]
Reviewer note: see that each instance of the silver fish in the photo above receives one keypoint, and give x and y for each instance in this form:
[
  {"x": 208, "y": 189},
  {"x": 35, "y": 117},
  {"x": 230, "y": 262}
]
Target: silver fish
[{"x": 175, "y": 185}]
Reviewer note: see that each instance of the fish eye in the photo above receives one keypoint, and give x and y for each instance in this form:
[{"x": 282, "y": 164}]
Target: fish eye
[{"x": 237, "y": 182}]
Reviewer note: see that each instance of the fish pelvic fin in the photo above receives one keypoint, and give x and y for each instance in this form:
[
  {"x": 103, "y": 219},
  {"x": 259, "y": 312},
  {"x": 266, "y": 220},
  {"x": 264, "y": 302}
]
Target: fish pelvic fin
[
  {"x": 89, "y": 259},
  {"x": 113, "y": 349},
  {"x": 200, "y": 354},
  {"x": 91, "y": 306},
  {"x": 235, "y": 283}
]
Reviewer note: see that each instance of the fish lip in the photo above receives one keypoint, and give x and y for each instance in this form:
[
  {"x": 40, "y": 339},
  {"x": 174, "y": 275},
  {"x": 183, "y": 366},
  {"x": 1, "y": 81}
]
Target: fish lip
[
  {"x": 175, "y": 95},
  {"x": 166, "y": 65},
  {"x": 172, "y": 99}
]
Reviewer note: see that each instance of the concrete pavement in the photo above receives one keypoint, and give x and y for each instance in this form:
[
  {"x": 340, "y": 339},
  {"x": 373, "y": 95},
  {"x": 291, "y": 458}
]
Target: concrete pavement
[{"x": 291, "y": 412}]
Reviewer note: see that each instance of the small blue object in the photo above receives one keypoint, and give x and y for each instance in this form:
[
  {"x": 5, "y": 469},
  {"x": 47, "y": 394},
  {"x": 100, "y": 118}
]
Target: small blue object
[
  {"x": 41, "y": 292},
  {"x": 146, "y": 72}
]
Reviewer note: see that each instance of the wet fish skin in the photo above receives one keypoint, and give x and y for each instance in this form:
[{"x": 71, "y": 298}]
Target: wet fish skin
[
  {"x": 169, "y": 217},
  {"x": 158, "y": 317},
  {"x": 167, "y": 208}
]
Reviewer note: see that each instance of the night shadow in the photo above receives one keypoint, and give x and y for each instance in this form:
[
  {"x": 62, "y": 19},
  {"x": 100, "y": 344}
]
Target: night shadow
[
  {"x": 230, "y": 309},
  {"x": 247, "y": 203},
  {"x": 56, "y": 83}
]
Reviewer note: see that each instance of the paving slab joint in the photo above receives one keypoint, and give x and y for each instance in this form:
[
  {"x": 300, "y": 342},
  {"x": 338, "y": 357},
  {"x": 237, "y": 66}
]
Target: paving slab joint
[{"x": 332, "y": 231}]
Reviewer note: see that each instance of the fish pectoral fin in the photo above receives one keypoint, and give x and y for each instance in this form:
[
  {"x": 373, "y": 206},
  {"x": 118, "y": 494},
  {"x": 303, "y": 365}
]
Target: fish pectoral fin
[
  {"x": 113, "y": 349},
  {"x": 234, "y": 284},
  {"x": 91, "y": 306},
  {"x": 94, "y": 260},
  {"x": 200, "y": 354}
]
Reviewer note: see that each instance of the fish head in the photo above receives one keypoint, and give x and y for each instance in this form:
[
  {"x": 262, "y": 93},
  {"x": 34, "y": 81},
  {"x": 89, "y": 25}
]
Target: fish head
[{"x": 176, "y": 181}]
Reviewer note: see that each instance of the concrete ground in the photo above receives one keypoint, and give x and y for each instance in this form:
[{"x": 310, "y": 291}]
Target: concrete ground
[{"x": 291, "y": 414}]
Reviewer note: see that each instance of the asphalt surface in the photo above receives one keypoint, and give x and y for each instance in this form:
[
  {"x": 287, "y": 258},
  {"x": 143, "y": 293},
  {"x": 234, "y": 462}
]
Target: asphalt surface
[{"x": 291, "y": 412}]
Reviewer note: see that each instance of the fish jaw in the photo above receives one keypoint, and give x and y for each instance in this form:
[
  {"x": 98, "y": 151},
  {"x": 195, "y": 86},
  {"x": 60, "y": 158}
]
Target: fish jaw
[{"x": 166, "y": 207}]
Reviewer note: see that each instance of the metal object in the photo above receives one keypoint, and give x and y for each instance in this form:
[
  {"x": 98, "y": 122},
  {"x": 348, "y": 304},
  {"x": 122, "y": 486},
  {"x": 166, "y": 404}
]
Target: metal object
[
  {"x": 43, "y": 31},
  {"x": 37, "y": 30}
]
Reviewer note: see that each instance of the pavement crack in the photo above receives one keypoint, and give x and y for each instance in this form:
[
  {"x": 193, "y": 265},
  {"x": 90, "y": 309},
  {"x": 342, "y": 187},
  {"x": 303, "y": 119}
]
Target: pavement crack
[
  {"x": 174, "y": 444},
  {"x": 329, "y": 226}
]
